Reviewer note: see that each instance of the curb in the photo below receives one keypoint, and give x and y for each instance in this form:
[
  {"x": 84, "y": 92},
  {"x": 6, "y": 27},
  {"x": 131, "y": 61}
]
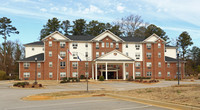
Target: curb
[{"x": 163, "y": 104}]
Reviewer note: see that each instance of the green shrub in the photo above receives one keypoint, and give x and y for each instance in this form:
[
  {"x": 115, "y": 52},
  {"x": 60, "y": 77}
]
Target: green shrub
[
  {"x": 2, "y": 75},
  {"x": 82, "y": 77},
  {"x": 21, "y": 84},
  {"x": 64, "y": 81},
  {"x": 142, "y": 77},
  {"x": 101, "y": 78},
  {"x": 77, "y": 80},
  {"x": 65, "y": 78},
  {"x": 73, "y": 79}
]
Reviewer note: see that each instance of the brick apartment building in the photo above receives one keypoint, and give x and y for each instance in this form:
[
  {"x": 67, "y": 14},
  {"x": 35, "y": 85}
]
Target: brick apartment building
[{"x": 108, "y": 55}]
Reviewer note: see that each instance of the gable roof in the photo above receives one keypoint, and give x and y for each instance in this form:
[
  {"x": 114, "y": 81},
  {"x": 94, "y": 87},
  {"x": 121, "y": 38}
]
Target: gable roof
[
  {"x": 114, "y": 56},
  {"x": 170, "y": 46},
  {"x": 40, "y": 58},
  {"x": 153, "y": 35},
  {"x": 132, "y": 39},
  {"x": 80, "y": 37},
  {"x": 35, "y": 43},
  {"x": 56, "y": 32}
]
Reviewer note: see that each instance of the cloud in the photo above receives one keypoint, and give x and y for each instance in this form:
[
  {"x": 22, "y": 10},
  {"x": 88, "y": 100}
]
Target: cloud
[
  {"x": 120, "y": 8},
  {"x": 43, "y": 10},
  {"x": 92, "y": 9}
]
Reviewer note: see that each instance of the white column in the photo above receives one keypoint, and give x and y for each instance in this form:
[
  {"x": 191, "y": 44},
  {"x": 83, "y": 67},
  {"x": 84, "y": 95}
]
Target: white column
[
  {"x": 124, "y": 71},
  {"x": 106, "y": 71},
  {"x": 133, "y": 70},
  {"x": 101, "y": 73},
  {"x": 117, "y": 74},
  {"x": 95, "y": 71}
]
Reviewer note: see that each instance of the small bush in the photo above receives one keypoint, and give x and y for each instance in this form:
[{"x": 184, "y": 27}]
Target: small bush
[
  {"x": 101, "y": 78},
  {"x": 65, "y": 78},
  {"x": 73, "y": 79},
  {"x": 22, "y": 84},
  {"x": 142, "y": 77},
  {"x": 77, "y": 80},
  {"x": 2, "y": 75},
  {"x": 64, "y": 81},
  {"x": 82, "y": 77}
]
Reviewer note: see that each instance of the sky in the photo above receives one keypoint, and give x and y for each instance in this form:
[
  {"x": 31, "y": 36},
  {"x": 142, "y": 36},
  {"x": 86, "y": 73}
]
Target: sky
[{"x": 173, "y": 16}]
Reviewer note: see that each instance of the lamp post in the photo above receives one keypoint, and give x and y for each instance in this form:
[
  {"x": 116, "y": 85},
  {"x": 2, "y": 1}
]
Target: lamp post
[
  {"x": 35, "y": 70},
  {"x": 178, "y": 65}
]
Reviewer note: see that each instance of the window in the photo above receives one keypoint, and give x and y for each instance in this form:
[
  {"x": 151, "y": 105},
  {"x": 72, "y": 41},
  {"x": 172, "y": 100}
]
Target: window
[
  {"x": 62, "y": 54},
  {"x": 62, "y": 44},
  {"x": 111, "y": 45},
  {"x": 26, "y": 75},
  {"x": 168, "y": 74},
  {"x": 159, "y": 55},
  {"x": 86, "y": 44},
  {"x": 159, "y": 64},
  {"x": 97, "y": 54},
  {"x": 62, "y": 74},
  {"x": 33, "y": 49},
  {"x": 117, "y": 45},
  {"x": 97, "y": 45},
  {"x": 126, "y": 53},
  {"x": 102, "y": 44},
  {"x": 50, "y": 53},
  {"x": 168, "y": 65},
  {"x": 86, "y": 54},
  {"x": 159, "y": 74},
  {"x": 149, "y": 65},
  {"x": 137, "y": 46},
  {"x": 127, "y": 65},
  {"x": 50, "y": 75},
  {"x": 86, "y": 64},
  {"x": 149, "y": 73},
  {"x": 126, "y": 45},
  {"x": 74, "y": 45},
  {"x": 38, "y": 65},
  {"x": 149, "y": 55},
  {"x": 102, "y": 53},
  {"x": 50, "y": 64},
  {"x": 86, "y": 74},
  {"x": 75, "y": 54},
  {"x": 137, "y": 64},
  {"x": 39, "y": 75},
  {"x": 137, "y": 55},
  {"x": 74, "y": 64},
  {"x": 26, "y": 65},
  {"x": 50, "y": 43},
  {"x": 107, "y": 44},
  {"x": 74, "y": 74},
  {"x": 62, "y": 64},
  {"x": 159, "y": 45},
  {"x": 137, "y": 74},
  {"x": 127, "y": 75},
  {"x": 148, "y": 46}
]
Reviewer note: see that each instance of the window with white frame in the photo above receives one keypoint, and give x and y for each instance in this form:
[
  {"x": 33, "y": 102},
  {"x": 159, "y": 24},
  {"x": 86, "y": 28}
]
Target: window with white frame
[
  {"x": 50, "y": 53},
  {"x": 75, "y": 54},
  {"x": 149, "y": 64},
  {"x": 50, "y": 64},
  {"x": 168, "y": 74},
  {"x": 74, "y": 45},
  {"x": 97, "y": 54},
  {"x": 137, "y": 64},
  {"x": 111, "y": 45},
  {"x": 137, "y": 55},
  {"x": 86, "y": 44},
  {"x": 74, "y": 64},
  {"x": 148, "y": 46},
  {"x": 86, "y": 64},
  {"x": 26, "y": 65},
  {"x": 126, "y": 45},
  {"x": 102, "y": 53},
  {"x": 148, "y": 55},
  {"x": 159, "y": 55},
  {"x": 86, "y": 54},
  {"x": 102, "y": 44},
  {"x": 159, "y": 74},
  {"x": 26, "y": 75},
  {"x": 149, "y": 73},
  {"x": 39, "y": 74},
  {"x": 62, "y": 64},
  {"x": 50, "y": 75},
  {"x": 107, "y": 44},
  {"x": 50, "y": 43},
  {"x": 62, "y": 54},
  {"x": 74, "y": 74},
  {"x": 117, "y": 45},
  {"x": 126, "y": 53},
  {"x": 137, "y": 46},
  {"x": 62, "y": 74},
  {"x": 159, "y": 64},
  {"x": 168, "y": 65},
  {"x": 38, "y": 65},
  {"x": 159, "y": 45},
  {"x": 97, "y": 45},
  {"x": 127, "y": 65},
  {"x": 137, "y": 74},
  {"x": 62, "y": 44}
]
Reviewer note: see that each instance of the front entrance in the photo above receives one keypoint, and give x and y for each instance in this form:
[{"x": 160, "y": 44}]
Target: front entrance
[{"x": 111, "y": 75}]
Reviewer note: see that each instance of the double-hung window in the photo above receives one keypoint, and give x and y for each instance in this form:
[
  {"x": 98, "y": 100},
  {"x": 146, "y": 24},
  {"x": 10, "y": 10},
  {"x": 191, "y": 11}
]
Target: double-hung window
[
  {"x": 149, "y": 55},
  {"x": 62, "y": 44},
  {"x": 74, "y": 45},
  {"x": 137, "y": 46}
]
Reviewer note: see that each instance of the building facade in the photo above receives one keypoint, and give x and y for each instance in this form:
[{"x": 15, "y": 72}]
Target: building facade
[{"x": 105, "y": 55}]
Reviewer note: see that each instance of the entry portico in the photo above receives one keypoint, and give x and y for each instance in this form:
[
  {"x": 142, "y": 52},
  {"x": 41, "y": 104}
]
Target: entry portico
[{"x": 114, "y": 57}]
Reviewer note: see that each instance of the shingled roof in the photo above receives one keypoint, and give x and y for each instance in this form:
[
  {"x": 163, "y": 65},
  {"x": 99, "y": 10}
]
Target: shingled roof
[
  {"x": 80, "y": 37},
  {"x": 132, "y": 39},
  {"x": 40, "y": 57},
  {"x": 35, "y": 43},
  {"x": 169, "y": 46}
]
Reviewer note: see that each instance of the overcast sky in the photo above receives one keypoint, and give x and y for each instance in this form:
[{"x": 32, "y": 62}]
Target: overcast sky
[{"x": 173, "y": 16}]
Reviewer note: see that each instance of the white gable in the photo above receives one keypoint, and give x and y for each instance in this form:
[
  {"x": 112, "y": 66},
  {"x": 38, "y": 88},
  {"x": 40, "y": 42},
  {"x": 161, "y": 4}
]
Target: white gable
[
  {"x": 153, "y": 38},
  {"x": 114, "y": 55},
  {"x": 58, "y": 37},
  {"x": 109, "y": 34}
]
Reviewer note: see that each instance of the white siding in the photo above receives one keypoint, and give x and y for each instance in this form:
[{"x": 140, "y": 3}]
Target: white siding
[
  {"x": 170, "y": 52},
  {"x": 132, "y": 51},
  {"x": 81, "y": 49},
  {"x": 29, "y": 52},
  {"x": 58, "y": 37},
  {"x": 114, "y": 56},
  {"x": 105, "y": 35}
]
